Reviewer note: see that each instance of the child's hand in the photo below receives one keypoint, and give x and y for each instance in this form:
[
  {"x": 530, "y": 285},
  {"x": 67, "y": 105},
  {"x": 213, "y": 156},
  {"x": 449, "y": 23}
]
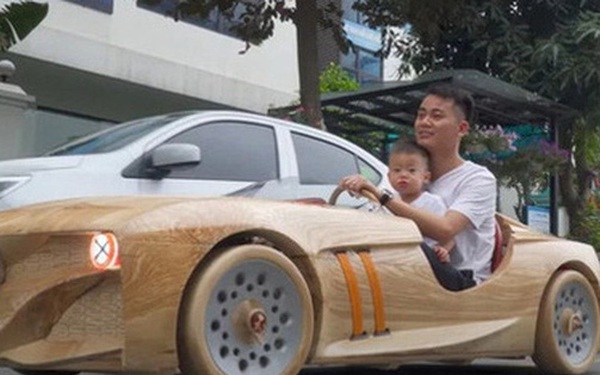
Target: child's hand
[{"x": 442, "y": 254}]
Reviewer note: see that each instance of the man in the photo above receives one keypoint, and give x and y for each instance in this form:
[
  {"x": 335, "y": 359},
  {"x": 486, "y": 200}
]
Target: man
[{"x": 469, "y": 191}]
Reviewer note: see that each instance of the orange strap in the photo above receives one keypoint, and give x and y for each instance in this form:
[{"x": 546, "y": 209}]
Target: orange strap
[
  {"x": 376, "y": 291},
  {"x": 355, "y": 304}
]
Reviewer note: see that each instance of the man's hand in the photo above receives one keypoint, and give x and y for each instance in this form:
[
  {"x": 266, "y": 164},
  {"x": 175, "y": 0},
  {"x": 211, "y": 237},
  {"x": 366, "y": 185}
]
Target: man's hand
[
  {"x": 442, "y": 254},
  {"x": 355, "y": 183}
]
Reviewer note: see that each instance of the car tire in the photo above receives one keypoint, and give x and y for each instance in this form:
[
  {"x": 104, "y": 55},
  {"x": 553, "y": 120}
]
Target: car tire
[
  {"x": 247, "y": 311},
  {"x": 567, "y": 332}
]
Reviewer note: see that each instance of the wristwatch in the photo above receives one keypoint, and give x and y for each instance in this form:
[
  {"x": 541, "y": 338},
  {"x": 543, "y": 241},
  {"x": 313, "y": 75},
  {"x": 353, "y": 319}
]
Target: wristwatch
[{"x": 385, "y": 197}]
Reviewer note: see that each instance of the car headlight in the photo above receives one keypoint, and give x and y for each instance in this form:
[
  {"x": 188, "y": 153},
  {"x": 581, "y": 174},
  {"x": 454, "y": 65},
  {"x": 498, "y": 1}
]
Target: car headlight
[
  {"x": 104, "y": 251},
  {"x": 8, "y": 184}
]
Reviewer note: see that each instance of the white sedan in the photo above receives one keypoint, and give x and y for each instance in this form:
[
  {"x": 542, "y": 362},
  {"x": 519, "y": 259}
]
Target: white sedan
[{"x": 203, "y": 153}]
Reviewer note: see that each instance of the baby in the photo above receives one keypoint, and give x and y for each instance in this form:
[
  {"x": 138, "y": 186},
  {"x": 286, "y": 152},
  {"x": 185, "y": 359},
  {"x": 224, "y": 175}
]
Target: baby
[{"x": 409, "y": 174}]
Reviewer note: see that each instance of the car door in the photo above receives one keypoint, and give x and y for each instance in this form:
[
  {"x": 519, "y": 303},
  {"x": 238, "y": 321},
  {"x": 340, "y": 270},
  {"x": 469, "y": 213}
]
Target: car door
[{"x": 234, "y": 155}]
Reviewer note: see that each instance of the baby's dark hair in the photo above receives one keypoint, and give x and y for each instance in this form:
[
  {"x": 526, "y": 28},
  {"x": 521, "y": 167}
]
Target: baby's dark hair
[
  {"x": 461, "y": 98},
  {"x": 410, "y": 147}
]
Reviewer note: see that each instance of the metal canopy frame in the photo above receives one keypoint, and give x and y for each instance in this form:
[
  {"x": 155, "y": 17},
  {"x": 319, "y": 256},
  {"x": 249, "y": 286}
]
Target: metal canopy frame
[{"x": 390, "y": 106}]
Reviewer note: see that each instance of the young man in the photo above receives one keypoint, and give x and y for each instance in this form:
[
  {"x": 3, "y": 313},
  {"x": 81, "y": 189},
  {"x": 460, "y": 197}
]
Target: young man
[{"x": 469, "y": 191}]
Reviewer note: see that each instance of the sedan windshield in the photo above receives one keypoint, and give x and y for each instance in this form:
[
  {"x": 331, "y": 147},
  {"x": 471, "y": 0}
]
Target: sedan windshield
[{"x": 115, "y": 137}]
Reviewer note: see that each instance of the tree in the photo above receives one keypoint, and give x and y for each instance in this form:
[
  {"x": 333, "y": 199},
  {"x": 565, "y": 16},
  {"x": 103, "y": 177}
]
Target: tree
[
  {"x": 551, "y": 47},
  {"x": 335, "y": 79},
  {"x": 521, "y": 163},
  {"x": 17, "y": 20},
  {"x": 254, "y": 22}
]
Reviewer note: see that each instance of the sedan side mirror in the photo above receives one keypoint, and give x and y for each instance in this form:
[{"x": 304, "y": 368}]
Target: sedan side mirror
[{"x": 173, "y": 155}]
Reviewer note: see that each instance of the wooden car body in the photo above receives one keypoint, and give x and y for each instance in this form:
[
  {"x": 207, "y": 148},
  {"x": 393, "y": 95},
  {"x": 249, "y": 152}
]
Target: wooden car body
[{"x": 374, "y": 297}]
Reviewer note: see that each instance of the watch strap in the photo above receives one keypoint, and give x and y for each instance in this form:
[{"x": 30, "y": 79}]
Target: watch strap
[{"x": 385, "y": 197}]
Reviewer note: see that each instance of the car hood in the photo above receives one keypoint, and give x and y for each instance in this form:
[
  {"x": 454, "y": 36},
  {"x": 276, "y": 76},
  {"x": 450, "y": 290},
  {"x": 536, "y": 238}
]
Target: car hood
[{"x": 19, "y": 167}]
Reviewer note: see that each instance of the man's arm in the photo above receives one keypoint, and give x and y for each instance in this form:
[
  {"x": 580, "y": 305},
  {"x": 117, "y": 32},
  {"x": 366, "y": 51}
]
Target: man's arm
[{"x": 441, "y": 228}]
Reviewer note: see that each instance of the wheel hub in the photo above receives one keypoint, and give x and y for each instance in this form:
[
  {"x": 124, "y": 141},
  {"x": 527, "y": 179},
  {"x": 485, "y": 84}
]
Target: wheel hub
[
  {"x": 571, "y": 321},
  {"x": 250, "y": 322},
  {"x": 257, "y": 321}
]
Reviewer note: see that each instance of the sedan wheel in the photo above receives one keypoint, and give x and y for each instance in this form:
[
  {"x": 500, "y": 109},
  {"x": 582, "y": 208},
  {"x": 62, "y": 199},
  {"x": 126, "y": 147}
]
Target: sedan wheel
[
  {"x": 248, "y": 311},
  {"x": 567, "y": 331}
]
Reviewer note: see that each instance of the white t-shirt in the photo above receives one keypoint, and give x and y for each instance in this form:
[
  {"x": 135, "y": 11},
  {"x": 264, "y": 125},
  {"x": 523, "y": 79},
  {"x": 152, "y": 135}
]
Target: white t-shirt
[
  {"x": 432, "y": 203},
  {"x": 470, "y": 190}
]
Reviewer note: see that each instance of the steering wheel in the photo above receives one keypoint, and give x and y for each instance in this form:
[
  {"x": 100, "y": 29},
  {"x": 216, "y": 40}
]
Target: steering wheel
[{"x": 339, "y": 190}]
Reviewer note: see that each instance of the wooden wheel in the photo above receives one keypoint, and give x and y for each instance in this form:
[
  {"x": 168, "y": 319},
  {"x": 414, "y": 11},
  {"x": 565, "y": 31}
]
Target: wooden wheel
[
  {"x": 567, "y": 332},
  {"x": 249, "y": 311},
  {"x": 339, "y": 190}
]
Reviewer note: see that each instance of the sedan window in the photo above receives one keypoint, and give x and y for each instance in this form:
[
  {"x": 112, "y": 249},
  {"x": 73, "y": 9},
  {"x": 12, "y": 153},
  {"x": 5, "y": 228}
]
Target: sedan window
[
  {"x": 231, "y": 151},
  {"x": 369, "y": 172},
  {"x": 322, "y": 163}
]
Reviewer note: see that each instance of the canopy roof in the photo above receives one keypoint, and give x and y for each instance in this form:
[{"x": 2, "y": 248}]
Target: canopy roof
[{"x": 385, "y": 106}]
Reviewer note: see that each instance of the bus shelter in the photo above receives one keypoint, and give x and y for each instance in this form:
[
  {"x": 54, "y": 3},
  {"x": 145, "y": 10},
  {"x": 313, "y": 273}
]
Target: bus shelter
[{"x": 388, "y": 108}]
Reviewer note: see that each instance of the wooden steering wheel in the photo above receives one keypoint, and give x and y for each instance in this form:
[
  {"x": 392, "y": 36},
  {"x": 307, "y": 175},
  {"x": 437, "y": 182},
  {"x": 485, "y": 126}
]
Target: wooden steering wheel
[{"x": 339, "y": 190}]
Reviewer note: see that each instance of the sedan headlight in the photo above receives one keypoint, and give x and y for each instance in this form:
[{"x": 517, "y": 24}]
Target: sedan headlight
[{"x": 8, "y": 184}]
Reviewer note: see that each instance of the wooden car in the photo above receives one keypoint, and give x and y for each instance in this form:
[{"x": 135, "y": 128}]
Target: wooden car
[{"x": 249, "y": 286}]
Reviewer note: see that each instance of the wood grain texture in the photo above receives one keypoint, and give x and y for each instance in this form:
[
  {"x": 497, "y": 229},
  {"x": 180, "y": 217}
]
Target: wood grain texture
[{"x": 163, "y": 240}]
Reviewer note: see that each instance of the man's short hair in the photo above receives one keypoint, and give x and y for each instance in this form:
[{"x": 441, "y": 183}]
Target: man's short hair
[
  {"x": 461, "y": 98},
  {"x": 410, "y": 147}
]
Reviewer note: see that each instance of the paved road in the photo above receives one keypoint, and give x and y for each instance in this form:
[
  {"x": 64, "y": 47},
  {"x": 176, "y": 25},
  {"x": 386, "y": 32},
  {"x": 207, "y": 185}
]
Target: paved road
[
  {"x": 487, "y": 367},
  {"x": 479, "y": 367}
]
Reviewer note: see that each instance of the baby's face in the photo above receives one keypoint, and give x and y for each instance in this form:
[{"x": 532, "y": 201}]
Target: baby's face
[{"x": 408, "y": 173}]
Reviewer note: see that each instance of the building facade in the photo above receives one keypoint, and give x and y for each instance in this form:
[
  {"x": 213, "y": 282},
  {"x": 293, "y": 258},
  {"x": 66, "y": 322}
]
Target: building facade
[
  {"x": 91, "y": 63},
  {"x": 362, "y": 62}
]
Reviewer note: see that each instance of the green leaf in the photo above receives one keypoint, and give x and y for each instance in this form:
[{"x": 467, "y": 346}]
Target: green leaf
[
  {"x": 17, "y": 20},
  {"x": 334, "y": 79}
]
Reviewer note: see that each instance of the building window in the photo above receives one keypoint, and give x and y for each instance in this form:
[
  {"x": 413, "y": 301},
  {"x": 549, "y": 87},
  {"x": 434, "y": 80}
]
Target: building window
[
  {"x": 365, "y": 66},
  {"x": 351, "y": 14},
  {"x": 215, "y": 21},
  {"x": 105, "y": 6},
  {"x": 362, "y": 63}
]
